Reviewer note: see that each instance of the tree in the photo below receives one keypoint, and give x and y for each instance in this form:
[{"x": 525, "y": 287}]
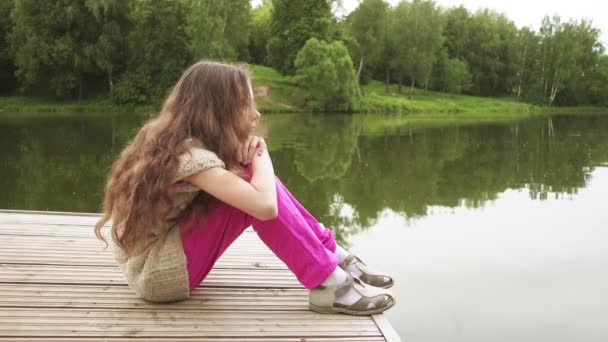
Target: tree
[
  {"x": 527, "y": 43},
  {"x": 416, "y": 31},
  {"x": 457, "y": 76},
  {"x": 158, "y": 51},
  {"x": 219, "y": 29},
  {"x": 261, "y": 17},
  {"x": 598, "y": 83},
  {"x": 456, "y": 32},
  {"x": 588, "y": 49},
  {"x": 367, "y": 25},
  {"x": 293, "y": 23},
  {"x": 489, "y": 53},
  {"x": 569, "y": 51},
  {"x": 108, "y": 52},
  {"x": 326, "y": 71},
  {"x": 7, "y": 68},
  {"x": 52, "y": 43}
]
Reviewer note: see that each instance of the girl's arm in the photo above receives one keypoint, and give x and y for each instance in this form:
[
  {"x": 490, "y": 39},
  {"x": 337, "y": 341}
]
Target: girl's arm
[{"x": 257, "y": 198}]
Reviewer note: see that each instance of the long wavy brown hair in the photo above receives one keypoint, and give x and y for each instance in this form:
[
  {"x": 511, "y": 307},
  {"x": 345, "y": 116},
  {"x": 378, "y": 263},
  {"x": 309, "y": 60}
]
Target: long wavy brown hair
[{"x": 209, "y": 104}]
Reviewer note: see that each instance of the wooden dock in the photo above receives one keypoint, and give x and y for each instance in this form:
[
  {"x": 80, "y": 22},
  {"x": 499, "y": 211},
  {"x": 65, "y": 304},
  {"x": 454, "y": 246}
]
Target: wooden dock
[{"x": 57, "y": 284}]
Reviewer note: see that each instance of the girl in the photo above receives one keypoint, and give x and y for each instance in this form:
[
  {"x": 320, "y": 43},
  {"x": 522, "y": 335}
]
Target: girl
[{"x": 194, "y": 178}]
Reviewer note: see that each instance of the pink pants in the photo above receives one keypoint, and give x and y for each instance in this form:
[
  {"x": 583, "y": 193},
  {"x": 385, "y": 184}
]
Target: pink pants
[{"x": 305, "y": 246}]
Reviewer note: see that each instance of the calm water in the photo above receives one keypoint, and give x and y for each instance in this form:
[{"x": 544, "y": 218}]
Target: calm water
[{"x": 494, "y": 231}]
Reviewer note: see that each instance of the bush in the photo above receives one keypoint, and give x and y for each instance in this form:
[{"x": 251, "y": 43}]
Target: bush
[
  {"x": 457, "y": 76},
  {"x": 326, "y": 71}
]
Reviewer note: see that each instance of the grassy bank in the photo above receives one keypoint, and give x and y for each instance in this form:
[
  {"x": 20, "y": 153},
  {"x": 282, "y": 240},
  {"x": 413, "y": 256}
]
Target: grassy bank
[
  {"x": 277, "y": 93},
  {"x": 43, "y": 107}
]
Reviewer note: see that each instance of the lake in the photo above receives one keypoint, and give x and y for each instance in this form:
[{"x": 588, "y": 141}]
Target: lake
[{"x": 494, "y": 229}]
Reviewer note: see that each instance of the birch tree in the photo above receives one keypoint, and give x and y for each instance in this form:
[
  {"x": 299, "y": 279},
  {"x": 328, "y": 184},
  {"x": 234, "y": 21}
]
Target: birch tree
[
  {"x": 416, "y": 31},
  {"x": 109, "y": 49},
  {"x": 527, "y": 43},
  {"x": 559, "y": 56},
  {"x": 367, "y": 25},
  {"x": 219, "y": 28}
]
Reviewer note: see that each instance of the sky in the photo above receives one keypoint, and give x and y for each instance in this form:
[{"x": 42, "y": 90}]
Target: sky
[{"x": 526, "y": 12}]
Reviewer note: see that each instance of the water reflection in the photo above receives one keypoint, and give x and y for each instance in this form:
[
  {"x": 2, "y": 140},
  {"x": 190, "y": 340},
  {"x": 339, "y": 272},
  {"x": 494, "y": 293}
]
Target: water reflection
[
  {"x": 345, "y": 169},
  {"x": 518, "y": 269},
  {"x": 412, "y": 167}
]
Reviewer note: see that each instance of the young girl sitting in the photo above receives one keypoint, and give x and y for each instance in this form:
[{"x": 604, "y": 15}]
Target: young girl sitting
[{"x": 194, "y": 178}]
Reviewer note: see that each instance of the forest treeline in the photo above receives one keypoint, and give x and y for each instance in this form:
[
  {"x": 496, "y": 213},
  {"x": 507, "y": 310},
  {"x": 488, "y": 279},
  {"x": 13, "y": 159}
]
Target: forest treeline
[{"x": 133, "y": 50}]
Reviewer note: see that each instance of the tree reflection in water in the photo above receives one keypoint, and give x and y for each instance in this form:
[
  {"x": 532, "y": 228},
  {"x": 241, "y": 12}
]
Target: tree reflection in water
[{"x": 346, "y": 169}]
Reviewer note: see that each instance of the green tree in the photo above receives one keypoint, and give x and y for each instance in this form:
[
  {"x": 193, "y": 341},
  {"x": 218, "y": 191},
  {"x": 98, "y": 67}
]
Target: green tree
[
  {"x": 367, "y": 25},
  {"x": 588, "y": 51},
  {"x": 52, "y": 42},
  {"x": 527, "y": 50},
  {"x": 7, "y": 68},
  {"x": 158, "y": 51},
  {"x": 293, "y": 23},
  {"x": 416, "y": 30},
  {"x": 598, "y": 82},
  {"x": 569, "y": 51},
  {"x": 108, "y": 52},
  {"x": 261, "y": 18},
  {"x": 219, "y": 29},
  {"x": 456, "y": 32},
  {"x": 489, "y": 53},
  {"x": 457, "y": 76},
  {"x": 326, "y": 71}
]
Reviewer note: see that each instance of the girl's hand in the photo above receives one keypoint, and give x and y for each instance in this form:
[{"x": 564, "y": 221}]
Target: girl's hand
[{"x": 253, "y": 145}]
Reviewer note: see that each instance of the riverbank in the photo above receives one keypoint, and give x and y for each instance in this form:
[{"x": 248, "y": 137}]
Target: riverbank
[{"x": 276, "y": 93}]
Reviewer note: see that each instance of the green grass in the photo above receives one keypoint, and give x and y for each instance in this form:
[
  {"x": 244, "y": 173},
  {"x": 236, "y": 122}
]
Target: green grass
[
  {"x": 43, "y": 107},
  {"x": 277, "y": 93},
  {"x": 375, "y": 99}
]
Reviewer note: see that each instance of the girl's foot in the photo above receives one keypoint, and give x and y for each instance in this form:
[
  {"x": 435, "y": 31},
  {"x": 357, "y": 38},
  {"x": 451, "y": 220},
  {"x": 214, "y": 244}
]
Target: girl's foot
[
  {"x": 330, "y": 299},
  {"x": 353, "y": 265}
]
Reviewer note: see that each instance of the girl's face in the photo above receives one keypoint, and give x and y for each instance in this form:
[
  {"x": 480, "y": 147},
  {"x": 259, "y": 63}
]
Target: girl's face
[{"x": 252, "y": 114}]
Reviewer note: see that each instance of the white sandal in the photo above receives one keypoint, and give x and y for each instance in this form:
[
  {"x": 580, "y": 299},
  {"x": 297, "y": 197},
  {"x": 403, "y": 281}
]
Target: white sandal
[
  {"x": 373, "y": 300},
  {"x": 367, "y": 276}
]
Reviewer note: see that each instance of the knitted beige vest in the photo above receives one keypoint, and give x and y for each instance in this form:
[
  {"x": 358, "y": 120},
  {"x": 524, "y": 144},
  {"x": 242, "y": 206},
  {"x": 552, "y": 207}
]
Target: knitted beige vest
[{"x": 160, "y": 274}]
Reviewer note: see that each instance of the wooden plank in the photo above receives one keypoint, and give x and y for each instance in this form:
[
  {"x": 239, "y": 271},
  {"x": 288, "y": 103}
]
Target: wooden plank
[
  {"x": 198, "y": 339},
  {"x": 49, "y": 217},
  {"x": 69, "y": 275},
  {"x": 158, "y": 323},
  {"x": 50, "y": 229},
  {"x": 44, "y": 213},
  {"x": 109, "y": 262},
  {"x": 121, "y": 297},
  {"x": 386, "y": 328},
  {"x": 62, "y": 250}
]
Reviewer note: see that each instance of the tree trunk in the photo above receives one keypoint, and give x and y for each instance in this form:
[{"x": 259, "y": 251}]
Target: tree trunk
[
  {"x": 110, "y": 83},
  {"x": 542, "y": 72},
  {"x": 79, "y": 89},
  {"x": 387, "y": 79},
  {"x": 554, "y": 87},
  {"x": 359, "y": 69},
  {"x": 411, "y": 95},
  {"x": 400, "y": 83},
  {"x": 521, "y": 73}
]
